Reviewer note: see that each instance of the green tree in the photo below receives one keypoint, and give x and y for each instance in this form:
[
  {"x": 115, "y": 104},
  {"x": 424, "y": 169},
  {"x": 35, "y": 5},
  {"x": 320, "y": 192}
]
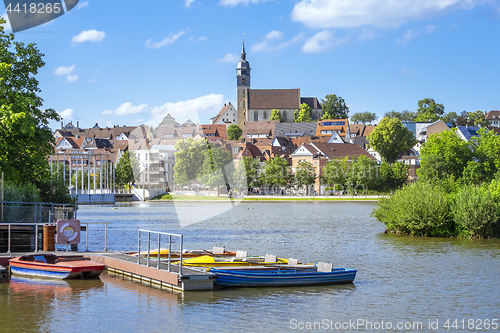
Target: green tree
[
  {"x": 276, "y": 115},
  {"x": 124, "y": 173},
  {"x": 364, "y": 174},
  {"x": 334, "y": 107},
  {"x": 189, "y": 156},
  {"x": 429, "y": 110},
  {"x": 444, "y": 155},
  {"x": 305, "y": 174},
  {"x": 276, "y": 172},
  {"x": 217, "y": 167},
  {"x": 25, "y": 136},
  {"x": 472, "y": 119},
  {"x": 393, "y": 176},
  {"x": 247, "y": 173},
  {"x": 304, "y": 114},
  {"x": 234, "y": 132},
  {"x": 336, "y": 172},
  {"x": 406, "y": 116},
  {"x": 451, "y": 117},
  {"x": 390, "y": 138},
  {"x": 363, "y": 117}
]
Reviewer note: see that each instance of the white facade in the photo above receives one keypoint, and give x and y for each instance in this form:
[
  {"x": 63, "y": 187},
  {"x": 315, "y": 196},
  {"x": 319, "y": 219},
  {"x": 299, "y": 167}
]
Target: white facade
[
  {"x": 227, "y": 116},
  {"x": 156, "y": 167}
]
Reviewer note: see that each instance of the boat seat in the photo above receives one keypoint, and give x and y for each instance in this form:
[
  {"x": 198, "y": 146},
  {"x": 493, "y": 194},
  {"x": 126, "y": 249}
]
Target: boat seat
[
  {"x": 293, "y": 262},
  {"x": 218, "y": 250},
  {"x": 270, "y": 258},
  {"x": 324, "y": 267},
  {"x": 241, "y": 254},
  {"x": 39, "y": 258}
]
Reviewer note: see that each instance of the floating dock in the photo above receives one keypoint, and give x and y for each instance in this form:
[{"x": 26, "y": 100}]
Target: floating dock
[{"x": 126, "y": 265}]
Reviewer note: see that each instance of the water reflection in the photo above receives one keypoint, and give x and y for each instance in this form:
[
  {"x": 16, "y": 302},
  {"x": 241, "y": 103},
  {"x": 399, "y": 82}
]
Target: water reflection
[{"x": 400, "y": 278}]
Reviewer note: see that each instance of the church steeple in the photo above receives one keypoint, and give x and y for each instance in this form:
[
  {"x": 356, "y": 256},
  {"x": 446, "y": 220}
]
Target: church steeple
[
  {"x": 243, "y": 69},
  {"x": 243, "y": 53},
  {"x": 242, "y": 87}
]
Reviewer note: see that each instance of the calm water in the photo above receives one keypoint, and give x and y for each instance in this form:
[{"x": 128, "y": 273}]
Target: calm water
[{"x": 401, "y": 280}]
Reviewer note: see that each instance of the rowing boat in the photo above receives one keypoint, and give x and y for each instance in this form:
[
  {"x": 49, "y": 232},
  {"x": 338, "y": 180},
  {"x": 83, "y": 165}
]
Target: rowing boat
[
  {"x": 54, "y": 267},
  {"x": 269, "y": 276}
]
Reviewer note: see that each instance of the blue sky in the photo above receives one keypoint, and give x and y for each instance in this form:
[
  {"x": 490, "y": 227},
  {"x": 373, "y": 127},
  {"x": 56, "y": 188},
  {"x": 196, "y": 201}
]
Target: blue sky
[{"x": 129, "y": 62}]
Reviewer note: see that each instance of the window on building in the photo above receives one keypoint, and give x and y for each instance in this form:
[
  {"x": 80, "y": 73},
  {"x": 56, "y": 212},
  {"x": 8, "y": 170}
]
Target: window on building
[{"x": 255, "y": 116}]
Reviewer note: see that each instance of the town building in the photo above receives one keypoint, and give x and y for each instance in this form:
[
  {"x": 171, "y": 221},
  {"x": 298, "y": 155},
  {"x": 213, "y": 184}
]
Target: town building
[
  {"x": 493, "y": 117},
  {"x": 257, "y": 104}
]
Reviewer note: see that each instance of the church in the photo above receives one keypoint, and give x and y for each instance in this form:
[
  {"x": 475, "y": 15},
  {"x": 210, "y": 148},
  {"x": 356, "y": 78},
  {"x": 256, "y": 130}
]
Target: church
[{"x": 257, "y": 104}]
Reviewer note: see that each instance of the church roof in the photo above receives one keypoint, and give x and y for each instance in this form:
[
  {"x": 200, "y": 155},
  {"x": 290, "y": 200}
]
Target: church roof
[
  {"x": 282, "y": 99},
  {"x": 311, "y": 101}
]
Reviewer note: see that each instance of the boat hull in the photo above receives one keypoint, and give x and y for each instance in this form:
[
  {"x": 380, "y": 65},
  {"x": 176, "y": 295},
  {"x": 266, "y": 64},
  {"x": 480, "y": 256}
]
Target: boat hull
[
  {"x": 69, "y": 269},
  {"x": 279, "y": 278}
]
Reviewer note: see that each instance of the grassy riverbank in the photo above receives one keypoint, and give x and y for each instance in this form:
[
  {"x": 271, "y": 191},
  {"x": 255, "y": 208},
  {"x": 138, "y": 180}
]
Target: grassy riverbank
[{"x": 170, "y": 197}]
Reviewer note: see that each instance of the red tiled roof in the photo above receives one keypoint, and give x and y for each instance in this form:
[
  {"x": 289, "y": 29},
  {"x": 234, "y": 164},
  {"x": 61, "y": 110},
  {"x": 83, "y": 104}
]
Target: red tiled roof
[
  {"x": 369, "y": 129},
  {"x": 273, "y": 99},
  {"x": 495, "y": 114},
  {"x": 340, "y": 150},
  {"x": 259, "y": 127}
]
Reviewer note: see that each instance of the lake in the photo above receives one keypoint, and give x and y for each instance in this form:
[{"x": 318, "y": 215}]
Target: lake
[{"x": 404, "y": 284}]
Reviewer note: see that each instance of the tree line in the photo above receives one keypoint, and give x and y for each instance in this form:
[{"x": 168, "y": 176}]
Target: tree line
[
  {"x": 199, "y": 163},
  {"x": 457, "y": 193}
]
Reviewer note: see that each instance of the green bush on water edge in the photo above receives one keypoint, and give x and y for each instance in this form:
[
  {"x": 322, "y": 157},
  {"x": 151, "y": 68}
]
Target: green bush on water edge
[{"x": 443, "y": 209}]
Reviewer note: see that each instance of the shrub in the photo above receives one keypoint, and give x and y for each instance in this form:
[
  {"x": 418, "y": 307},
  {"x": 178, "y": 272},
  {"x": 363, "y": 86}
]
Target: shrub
[
  {"x": 417, "y": 209},
  {"x": 21, "y": 193},
  {"x": 475, "y": 212}
]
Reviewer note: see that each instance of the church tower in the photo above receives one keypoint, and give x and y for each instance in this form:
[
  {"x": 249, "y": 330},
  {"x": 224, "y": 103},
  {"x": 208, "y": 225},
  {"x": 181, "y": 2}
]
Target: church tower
[{"x": 242, "y": 88}]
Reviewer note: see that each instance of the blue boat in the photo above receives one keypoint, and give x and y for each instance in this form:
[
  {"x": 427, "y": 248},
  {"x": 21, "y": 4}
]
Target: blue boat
[{"x": 281, "y": 276}]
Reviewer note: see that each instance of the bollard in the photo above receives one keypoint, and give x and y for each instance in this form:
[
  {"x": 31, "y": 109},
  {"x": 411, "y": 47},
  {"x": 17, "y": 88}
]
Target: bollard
[{"x": 49, "y": 241}]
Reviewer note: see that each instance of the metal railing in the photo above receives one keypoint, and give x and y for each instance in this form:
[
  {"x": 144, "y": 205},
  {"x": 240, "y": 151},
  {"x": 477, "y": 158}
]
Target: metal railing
[
  {"x": 158, "y": 233},
  {"x": 9, "y": 228},
  {"x": 35, "y": 212},
  {"x": 36, "y": 229},
  {"x": 87, "y": 234}
]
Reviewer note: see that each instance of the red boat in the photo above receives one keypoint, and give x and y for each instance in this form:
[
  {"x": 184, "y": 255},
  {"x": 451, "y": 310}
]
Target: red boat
[{"x": 55, "y": 267}]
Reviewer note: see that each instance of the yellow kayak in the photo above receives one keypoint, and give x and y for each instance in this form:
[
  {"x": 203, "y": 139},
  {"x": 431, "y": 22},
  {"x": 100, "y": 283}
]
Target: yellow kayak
[
  {"x": 185, "y": 254},
  {"x": 209, "y": 261}
]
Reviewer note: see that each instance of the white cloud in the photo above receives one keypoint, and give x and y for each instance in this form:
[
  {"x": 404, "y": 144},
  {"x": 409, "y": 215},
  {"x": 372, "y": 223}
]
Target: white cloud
[
  {"x": 170, "y": 39},
  {"x": 82, "y": 4},
  {"x": 88, "y": 36},
  {"x": 233, "y": 3},
  {"x": 229, "y": 58},
  {"x": 64, "y": 70},
  {"x": 193, "y": 40},
  {"x": 322, "y": 41},
  {"x": 194, "y": 109},
  {"x": 188, "y": 3},
  {"x": 126, "y": 109},
  {"x": 377, "y": 13},
  {"x": 67, "y": 71},
  {"x": 72, "y": 78},
  {"x": 271, "y": 42},
  {"x": 407, "y": 37},
  {"x": 67, "y": 114}
]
